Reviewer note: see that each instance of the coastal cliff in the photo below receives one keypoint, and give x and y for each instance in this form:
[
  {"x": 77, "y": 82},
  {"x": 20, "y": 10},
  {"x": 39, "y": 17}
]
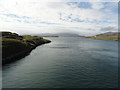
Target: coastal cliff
[{"x": 15, "y": 47}]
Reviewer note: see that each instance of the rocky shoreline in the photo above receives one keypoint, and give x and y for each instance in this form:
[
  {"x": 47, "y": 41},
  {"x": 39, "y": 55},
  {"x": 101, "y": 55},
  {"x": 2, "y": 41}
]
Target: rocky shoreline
[{"x": 15, "y": 47}]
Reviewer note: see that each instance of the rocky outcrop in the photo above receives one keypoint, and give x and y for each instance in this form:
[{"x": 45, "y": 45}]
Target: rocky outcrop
[{"x": 15, "y": 47}]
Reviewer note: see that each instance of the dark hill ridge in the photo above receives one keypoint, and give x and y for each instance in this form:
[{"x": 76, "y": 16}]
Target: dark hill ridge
[
  {"x": 106, "y": 36},
  {"x": 46, "y": 35},
  {"x": 15, "y": 46},
  {"x": 58, "y": 35},
  {"x": 68, "y": 34}
]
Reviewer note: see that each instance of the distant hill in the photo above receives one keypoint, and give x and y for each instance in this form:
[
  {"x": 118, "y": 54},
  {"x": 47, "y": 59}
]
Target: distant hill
[
  {"x": 46, "y": 35},
  {"x": 58, "y": 35},
  {"x": 107, "y": 36},
  {"x": 67, "y": 34}
]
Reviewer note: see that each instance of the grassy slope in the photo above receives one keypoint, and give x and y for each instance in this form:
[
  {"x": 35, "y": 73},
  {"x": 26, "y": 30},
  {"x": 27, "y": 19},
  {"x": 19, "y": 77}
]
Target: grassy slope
[
  {"x": 15, "y": 46},
  {"x": 107, "y": 36}
]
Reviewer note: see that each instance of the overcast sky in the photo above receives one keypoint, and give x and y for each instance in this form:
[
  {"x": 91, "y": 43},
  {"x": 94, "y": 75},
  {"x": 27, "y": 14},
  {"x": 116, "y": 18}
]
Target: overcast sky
[{"x": 53, "y": 16}]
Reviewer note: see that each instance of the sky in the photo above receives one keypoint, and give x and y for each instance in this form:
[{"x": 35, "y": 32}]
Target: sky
[{"x": 58, "y": 16}]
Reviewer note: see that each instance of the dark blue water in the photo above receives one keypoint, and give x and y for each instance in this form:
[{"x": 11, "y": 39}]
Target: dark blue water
[{"x": 66, "y": 62}]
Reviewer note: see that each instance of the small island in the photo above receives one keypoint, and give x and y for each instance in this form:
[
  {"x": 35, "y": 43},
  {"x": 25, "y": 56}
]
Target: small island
[{"x": 16, "y": 46}]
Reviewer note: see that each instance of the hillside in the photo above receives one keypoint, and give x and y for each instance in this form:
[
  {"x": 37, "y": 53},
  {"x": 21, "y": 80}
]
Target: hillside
[
  {"x": 58, "y": 35},
  {"x": 107, "y": 36},
  {"x": 67, "y": 34},
  {"x": 46, "y": 35},
  {"x": 15, "y": 46}
]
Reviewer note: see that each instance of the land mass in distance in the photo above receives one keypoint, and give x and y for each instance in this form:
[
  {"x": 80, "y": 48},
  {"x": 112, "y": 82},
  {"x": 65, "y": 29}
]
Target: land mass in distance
[{"x": 106, "y": 36}]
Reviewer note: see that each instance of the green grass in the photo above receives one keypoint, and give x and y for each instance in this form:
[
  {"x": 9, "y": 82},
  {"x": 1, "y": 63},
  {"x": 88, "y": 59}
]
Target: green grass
[
  {"x": 13, "y": 43},
  {"x": 106, "y": 36},
  {"x": 29, "y": 37}
]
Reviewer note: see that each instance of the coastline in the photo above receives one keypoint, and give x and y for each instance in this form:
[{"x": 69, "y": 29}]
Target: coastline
[
  {"x": 114, "y": 36},
  {"x": 15, "y": 47}
]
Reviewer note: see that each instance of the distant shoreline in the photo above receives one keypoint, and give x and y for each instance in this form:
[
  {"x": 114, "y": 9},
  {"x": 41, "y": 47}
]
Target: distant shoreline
[
  {"x": 49, "y": 36},
  {"x": 115, "y": 36}
]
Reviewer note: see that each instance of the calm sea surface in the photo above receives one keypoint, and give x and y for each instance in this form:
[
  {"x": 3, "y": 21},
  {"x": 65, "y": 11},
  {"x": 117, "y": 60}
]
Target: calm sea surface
[{"x": 66, "y": 62}]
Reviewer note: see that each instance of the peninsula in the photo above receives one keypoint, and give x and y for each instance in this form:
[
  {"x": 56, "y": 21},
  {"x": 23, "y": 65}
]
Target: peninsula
[
  {"x": 16, "y": 46},
  {"x": 106, "y": 36}
]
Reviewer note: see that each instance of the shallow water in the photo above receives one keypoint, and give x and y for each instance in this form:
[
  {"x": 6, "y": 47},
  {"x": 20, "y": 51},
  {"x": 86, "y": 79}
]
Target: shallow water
[{"x": 66, "y": 62}]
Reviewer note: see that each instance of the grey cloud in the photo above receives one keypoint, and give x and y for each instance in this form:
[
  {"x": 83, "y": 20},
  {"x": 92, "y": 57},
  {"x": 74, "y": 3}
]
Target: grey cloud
[{"x": 109, "y": 29}]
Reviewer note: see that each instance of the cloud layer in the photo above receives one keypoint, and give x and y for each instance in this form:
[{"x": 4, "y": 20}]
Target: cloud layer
[{"x": 41, "y": 16}]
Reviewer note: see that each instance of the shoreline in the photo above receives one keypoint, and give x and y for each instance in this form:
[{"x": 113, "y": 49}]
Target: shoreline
[
  {"x": 15, "y": 47},
  {"x": 17, "y": 56}
]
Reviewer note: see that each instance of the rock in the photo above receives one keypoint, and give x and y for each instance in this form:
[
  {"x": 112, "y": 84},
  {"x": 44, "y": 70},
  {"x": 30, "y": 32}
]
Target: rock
[{"x": 15, "y": 46}]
